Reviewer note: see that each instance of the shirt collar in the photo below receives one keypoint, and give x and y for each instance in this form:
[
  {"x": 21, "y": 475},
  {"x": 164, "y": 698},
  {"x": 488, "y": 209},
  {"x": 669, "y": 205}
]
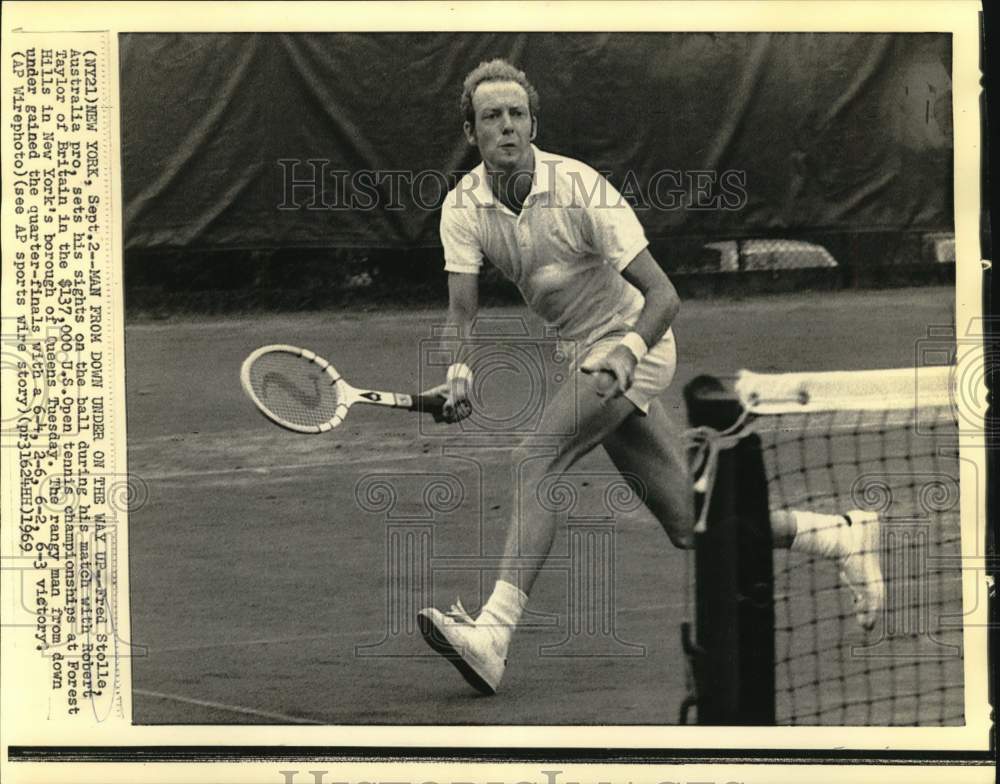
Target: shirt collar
[{"x": 541, "y": 180}]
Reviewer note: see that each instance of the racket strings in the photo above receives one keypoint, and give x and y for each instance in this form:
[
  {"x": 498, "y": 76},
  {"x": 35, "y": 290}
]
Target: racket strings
[{"x": 294, "y": 389}]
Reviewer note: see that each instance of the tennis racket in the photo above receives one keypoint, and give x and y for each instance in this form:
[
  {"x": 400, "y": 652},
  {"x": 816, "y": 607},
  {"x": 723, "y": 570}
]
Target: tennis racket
[{"x": 300, "y": 391}]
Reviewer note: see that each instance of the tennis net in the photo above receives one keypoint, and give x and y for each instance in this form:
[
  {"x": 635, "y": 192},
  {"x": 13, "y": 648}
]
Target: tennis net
[{"x": 790, "y": 649}]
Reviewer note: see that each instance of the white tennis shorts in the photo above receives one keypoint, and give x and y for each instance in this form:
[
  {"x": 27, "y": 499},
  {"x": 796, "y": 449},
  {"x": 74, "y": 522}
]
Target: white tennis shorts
[{"x": 652, "y": 375}]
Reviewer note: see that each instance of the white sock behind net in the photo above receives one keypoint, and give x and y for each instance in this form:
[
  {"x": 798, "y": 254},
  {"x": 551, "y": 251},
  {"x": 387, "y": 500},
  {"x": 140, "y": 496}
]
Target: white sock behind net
[{"x": 820, "y": 534}]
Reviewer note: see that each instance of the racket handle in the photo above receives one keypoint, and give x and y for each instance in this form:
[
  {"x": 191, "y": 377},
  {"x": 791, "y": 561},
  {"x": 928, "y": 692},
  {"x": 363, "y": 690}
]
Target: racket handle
[{"x": 427, "y": 404}]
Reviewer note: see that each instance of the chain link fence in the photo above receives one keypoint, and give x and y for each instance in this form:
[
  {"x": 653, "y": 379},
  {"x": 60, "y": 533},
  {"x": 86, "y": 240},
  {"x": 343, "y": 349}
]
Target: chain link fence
[{"x": 166, "y": 281}]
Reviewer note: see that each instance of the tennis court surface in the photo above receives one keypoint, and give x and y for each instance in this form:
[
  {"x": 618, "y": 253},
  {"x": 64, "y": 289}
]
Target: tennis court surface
[{"x": 264, "y": 579}]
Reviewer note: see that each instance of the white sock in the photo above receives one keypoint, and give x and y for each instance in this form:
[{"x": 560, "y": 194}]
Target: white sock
[
  {"x": 502, "y": 611},
  {"x": 820, "y": 534}
]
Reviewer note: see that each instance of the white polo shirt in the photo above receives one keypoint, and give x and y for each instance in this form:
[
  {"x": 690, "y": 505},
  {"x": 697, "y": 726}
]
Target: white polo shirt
[{"x": 565, "y": 251}]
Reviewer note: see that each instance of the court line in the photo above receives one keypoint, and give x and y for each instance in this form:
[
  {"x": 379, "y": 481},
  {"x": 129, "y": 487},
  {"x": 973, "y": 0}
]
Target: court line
[
  {"x": 247, "y": 643},
  {"x": 332, "y": 635},
  {"x": 392, "y": 455},
  {"x": 281, "y": 717},
  {"x": 265, "y": 470}
]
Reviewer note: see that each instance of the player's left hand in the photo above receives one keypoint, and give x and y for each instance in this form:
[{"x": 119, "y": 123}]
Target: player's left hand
[
  {"x": 455, "y": 390},
  {"x": 614, "y": 371},
  {"x": 441, "y": 391}
]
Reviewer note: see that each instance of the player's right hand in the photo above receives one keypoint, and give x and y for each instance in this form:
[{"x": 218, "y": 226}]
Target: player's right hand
[{"x": 614, "y": 371}]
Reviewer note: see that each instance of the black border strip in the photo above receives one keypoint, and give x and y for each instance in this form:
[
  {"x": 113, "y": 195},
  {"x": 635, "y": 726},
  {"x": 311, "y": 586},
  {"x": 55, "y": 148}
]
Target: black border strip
[
  {"x": 145, "y": 754},
  {"x": 989, "y": 25}
]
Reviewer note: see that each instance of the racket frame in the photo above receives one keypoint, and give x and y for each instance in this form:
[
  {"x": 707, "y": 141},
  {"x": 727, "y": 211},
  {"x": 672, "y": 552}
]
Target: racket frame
[{"x": 347, "y": 395}]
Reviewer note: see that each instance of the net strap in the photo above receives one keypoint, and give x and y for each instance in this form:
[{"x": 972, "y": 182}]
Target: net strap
[{"x": 707, "y": 443}]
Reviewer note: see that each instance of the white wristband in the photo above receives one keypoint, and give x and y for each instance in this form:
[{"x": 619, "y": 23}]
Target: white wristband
[
  {"x": 460, "y": 371},
  {"x": 633, "y": 342}
]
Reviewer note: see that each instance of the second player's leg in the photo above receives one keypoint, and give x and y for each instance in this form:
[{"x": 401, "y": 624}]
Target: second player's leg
[{"x": 650, "y": 453}]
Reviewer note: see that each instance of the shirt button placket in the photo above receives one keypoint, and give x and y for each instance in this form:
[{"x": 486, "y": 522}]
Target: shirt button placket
[{"x": 523, "y": 238}]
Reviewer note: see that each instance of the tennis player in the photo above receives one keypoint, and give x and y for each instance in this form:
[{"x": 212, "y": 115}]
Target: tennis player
[{"x": 579, "y": 256}]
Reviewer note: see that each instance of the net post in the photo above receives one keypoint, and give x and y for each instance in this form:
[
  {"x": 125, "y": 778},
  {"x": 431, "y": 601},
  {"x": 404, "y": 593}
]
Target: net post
[{"x": 735, "y": 658}]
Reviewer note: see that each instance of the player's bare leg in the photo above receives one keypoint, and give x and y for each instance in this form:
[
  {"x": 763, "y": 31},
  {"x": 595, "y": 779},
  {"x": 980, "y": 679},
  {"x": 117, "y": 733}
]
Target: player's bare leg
[
  {"x": 532, "y": 533},
  {"x": 478, "y": 647},
  {"x": 649, "y": 451}
]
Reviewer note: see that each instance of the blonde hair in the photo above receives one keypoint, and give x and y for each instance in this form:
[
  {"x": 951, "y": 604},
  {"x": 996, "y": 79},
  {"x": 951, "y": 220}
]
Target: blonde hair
[{"x": 496, "y": 70}]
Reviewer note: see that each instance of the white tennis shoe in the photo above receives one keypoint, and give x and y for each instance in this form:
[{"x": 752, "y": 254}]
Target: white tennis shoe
[
  {"x": 860, "y": 569},
  {"x": 474, "y": 650}
]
